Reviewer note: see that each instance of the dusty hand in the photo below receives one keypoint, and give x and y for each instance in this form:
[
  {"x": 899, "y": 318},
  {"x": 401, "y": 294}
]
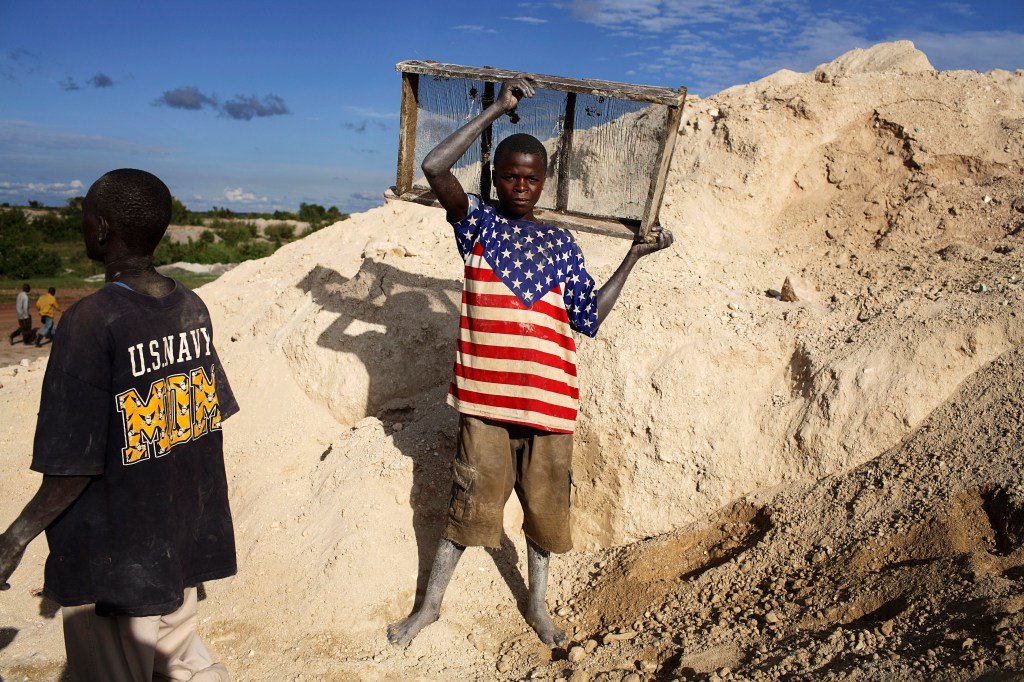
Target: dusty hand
[
  {"x": 514, "y": 90},
  {"x": 663, "y": 240},
  {"x": 10, "y": 556}
]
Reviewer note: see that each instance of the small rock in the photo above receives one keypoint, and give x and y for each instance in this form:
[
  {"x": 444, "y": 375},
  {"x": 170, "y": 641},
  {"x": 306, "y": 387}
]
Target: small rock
[
  {"x": 796, "y": 289},
  {"x": 590, "y": 645},
  {"x": 504, "y": 665},
  {"x": 619, "y": 636},
  {"x": 576, "y": 654}
]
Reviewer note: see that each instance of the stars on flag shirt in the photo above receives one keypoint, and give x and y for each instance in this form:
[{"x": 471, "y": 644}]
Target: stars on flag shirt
[{"x": 526, "y": 288}]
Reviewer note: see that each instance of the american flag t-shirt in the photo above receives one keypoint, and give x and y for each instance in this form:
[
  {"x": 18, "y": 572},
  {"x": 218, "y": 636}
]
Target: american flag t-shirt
[{"x": 526, "y": 287}]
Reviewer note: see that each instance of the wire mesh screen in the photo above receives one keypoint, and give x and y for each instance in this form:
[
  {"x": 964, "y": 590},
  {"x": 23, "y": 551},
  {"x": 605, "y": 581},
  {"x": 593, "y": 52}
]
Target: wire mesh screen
[
  {"x": 615, "y": 146},
  {"x": 608, "y": 143},
  {"x": 446, "y": 104}
]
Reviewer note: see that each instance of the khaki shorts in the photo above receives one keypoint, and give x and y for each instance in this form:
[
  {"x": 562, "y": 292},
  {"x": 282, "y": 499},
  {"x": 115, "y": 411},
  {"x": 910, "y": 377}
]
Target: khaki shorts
[
  {"x": 493, "y": 459},
  {"x": 138, "y": 649}
]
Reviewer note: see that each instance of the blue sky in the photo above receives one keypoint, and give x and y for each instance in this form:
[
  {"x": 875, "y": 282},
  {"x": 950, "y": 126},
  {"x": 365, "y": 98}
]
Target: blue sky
[{"x": 264, "y": 105}]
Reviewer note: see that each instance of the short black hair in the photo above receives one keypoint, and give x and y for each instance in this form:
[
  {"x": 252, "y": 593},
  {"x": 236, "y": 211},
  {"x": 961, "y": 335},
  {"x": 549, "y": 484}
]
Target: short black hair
[
  {"x": 52, "y": 291},
  {"x": 522, "y": 143},
  {"x": 137, "y": 203}
]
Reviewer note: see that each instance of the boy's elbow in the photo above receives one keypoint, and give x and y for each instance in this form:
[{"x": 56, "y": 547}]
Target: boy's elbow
[{"x": 430, "y": 167}]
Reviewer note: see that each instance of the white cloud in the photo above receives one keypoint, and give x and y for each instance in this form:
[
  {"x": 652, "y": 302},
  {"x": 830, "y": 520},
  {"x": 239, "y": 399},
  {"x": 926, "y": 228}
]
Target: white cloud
[
  {"x": 47, "y": 193},
  {"x": 474, "y": 28},
  {"x": 529, "y": 20},
  {"x": 977, "y": 50},
  {"x": 964, "y": 9},
  {"x": 369, "y": 112},
  {"x": 239, "y": 195},
  {"x": 709, "y": 45}
]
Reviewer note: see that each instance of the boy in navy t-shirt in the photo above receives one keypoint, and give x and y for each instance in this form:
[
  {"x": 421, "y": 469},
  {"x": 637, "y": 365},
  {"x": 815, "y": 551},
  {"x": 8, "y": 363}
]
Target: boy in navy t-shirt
[{"x": 134, "y": 495}]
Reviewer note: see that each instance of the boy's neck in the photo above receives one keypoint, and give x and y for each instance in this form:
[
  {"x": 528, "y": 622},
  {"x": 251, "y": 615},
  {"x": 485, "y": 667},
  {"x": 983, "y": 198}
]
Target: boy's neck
[{"x": 140, "y": 275}]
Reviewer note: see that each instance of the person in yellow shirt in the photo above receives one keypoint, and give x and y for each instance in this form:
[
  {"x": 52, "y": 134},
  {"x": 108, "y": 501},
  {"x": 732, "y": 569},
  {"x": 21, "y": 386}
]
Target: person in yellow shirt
[{"x": 48, "y": 308}]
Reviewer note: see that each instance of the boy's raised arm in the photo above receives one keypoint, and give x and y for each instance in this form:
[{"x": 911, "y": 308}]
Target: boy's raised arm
[
  {"x": 608, "y": 294},
  {"x": 437, "y": 165}
]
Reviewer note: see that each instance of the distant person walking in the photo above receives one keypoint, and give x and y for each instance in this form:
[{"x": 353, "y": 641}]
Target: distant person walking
[
  {"x": 48, "y": 308},
  {"x": 24, "y": 329}
]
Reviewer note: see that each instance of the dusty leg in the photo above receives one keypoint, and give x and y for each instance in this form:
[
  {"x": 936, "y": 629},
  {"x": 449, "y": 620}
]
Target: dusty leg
[
  {"x": 445, "y": 561},
  {"x": 537, "y": 609}
]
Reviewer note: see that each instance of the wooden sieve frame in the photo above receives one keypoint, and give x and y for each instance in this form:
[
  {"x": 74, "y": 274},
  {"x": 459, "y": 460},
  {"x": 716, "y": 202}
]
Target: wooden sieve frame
[{"x": 671, "y": 99}]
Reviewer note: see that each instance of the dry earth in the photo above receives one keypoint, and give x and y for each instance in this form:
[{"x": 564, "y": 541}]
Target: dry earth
[{"x": 823, "y": 489}]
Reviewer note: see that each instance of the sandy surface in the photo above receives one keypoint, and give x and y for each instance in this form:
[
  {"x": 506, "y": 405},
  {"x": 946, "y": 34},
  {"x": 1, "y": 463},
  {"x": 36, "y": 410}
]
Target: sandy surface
[{"x": 823, "y": 489}]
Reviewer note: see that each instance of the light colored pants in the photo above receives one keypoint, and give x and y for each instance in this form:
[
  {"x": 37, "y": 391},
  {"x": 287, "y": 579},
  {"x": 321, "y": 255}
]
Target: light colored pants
[
  {"x": 47, "y": 328},
  {"x": 138, "y": 649}
]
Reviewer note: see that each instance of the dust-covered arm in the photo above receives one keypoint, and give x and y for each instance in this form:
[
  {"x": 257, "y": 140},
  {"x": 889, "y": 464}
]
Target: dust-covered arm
[
  {"x": 609, "y": 293},
  {"x": 55, "y": 494},
  {"x": 437, "y": 165}
]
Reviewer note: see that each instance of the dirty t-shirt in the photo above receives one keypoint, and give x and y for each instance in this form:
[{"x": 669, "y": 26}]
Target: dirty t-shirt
[
  {"x": 134, "y": 395},
  {"x": 525, "y": 289}
]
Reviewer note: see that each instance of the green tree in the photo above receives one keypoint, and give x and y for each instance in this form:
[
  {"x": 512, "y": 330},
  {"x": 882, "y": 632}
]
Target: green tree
[
  {"x": 313, "y": 214},
  {"x": 233, "y": 232},
  {"x": 180, "y": 215},
  {"x": 280, "y": 233},
  {"x": 20, "y": 254}
]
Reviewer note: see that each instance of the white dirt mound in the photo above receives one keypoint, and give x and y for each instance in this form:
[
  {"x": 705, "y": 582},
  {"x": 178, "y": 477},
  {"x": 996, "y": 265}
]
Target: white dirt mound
[{"x": 891, "y": 196}]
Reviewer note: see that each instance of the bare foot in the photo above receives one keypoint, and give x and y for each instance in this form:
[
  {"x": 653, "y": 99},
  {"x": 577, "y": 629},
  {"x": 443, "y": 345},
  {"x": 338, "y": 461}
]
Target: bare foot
[
  {"x": 541, "y": 622},
  {"x": 403, "y": 632}
]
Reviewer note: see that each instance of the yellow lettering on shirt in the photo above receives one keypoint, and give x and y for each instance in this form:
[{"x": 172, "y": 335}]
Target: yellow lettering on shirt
[{"x": 179, "y": 408}]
